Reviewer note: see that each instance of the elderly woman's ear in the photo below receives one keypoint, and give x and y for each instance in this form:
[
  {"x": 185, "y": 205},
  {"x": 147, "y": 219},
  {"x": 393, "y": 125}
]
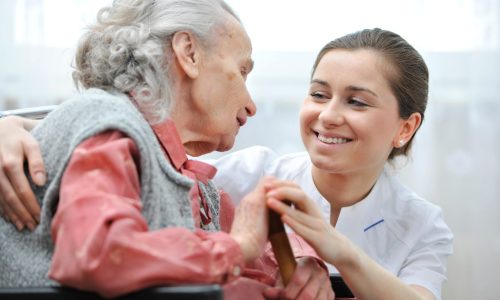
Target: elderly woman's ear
[{"x": 187, "y": 53}]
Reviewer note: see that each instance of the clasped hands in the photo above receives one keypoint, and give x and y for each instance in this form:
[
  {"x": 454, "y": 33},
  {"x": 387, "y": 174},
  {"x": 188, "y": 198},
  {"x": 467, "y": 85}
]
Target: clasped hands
[{"x": 250, "y": 229}]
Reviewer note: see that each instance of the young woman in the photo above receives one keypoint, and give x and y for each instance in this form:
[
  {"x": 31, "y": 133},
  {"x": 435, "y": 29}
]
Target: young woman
[{"x": 367, "y": 99}]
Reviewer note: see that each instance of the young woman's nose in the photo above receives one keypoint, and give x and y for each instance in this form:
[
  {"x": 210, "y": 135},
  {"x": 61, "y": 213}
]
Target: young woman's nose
[{"x": 332, "y": 114}]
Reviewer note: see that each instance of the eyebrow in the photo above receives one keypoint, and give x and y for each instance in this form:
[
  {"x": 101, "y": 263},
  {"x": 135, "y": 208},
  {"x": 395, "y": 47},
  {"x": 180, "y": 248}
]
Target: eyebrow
[
  {"x": 320, "y": 82},
  {"x": 349, "y": 88},
  {"x": 361, "y": 89}
]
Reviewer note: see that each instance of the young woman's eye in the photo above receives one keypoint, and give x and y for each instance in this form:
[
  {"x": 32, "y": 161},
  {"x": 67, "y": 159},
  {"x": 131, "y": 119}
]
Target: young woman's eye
[
  {"x": 317, "y": 95},
  {"x": 356, "y": 102}
]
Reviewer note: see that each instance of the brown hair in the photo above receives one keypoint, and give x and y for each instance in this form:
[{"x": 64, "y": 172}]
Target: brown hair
[{"x": 410, "y": 79}]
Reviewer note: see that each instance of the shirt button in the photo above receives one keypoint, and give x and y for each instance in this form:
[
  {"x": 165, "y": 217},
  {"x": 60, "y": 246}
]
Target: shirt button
[{"x": 236, "y": 271}]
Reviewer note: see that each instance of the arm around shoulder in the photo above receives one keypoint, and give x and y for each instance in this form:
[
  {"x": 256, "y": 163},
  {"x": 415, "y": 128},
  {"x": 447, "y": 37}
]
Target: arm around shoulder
[{"x": 17, "y": 200}]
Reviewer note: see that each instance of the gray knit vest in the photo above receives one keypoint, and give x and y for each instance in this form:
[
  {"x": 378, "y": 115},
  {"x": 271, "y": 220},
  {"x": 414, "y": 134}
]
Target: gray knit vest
[{"x": 25, "y": 256}]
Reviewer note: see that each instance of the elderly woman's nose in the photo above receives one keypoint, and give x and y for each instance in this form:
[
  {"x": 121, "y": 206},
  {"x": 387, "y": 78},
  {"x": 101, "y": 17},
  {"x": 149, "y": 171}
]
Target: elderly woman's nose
[{"x": 251, "y": 108}]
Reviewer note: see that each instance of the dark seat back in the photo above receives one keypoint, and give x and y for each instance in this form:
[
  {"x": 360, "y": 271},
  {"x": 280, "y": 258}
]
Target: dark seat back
[
  {"x": 339, "y": 287},
  {"x": 183, "y": 292}
]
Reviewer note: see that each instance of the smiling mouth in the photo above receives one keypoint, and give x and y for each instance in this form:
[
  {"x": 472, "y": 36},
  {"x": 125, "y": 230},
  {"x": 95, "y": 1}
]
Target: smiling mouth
[{"x": 332, "y": 140}]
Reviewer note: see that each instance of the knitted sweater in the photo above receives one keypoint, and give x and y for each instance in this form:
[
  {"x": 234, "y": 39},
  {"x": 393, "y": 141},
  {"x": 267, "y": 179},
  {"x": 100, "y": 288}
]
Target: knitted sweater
[{"x": 25, "y": 256}]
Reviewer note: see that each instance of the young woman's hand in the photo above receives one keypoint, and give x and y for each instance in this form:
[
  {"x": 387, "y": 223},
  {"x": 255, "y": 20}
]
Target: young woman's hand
[
  {"x": 305, "y": 218},
  {"x": 18, "y": 203}
]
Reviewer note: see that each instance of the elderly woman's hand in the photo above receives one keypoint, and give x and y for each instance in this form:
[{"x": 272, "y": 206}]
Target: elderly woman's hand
[
  {"x": 17, "y": 201},
  {"x": 250, "y": 225},
  {"x": 309, "y": 281}
]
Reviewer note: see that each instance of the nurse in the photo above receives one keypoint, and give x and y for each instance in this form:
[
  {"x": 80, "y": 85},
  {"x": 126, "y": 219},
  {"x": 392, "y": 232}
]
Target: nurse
[{"x": 367, "y": 99}]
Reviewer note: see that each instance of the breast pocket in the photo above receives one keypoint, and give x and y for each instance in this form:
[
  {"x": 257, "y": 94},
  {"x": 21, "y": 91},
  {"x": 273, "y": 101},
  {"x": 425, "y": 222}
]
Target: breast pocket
[{"x": 385, "y": 247}]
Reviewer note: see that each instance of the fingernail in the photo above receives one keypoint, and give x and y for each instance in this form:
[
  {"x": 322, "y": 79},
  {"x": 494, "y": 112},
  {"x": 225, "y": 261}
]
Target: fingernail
[
  {"x": 19, "y": 225},
  {"x": 39, "y": 177},
  {"x": 37, "y": 218},
  {"x": 31, "y": 226},
  {"x": 271, "y": 194}
]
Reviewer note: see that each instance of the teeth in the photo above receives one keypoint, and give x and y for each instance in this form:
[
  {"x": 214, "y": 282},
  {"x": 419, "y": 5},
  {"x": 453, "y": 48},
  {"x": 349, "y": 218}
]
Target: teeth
[{"x": 333, "y": 140}]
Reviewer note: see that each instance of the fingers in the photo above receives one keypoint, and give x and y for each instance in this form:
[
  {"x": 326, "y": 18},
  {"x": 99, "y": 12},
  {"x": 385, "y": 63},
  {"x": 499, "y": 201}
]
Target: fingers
[
  {"x": 35, "y": 161},
  {"x": 294, "y": 287},
  {"x": 272, "y": 293},
  {"x": 11, "y": 217},
  {"x": 314, "y": 230},
  {"x": 319, "y": 288},
  {"x": 17, "y": 200},
  {"x": 273, "y": 183},
  {"x": 289, "y": 212},
  {"x": 250, "y": 226},
  {"x": 26, "y": 196},
  {"x": 13, "y": 167},
  {"x": 303, "y": 225},
  {"x": 307, "y": 282},
  {"x": 300, "y": 278},
  {"x": 297, "y": 197},
  {"x": 3, "y": 214},
  {"x": 13, "y": 207},
  {"x": 312, "y": 288},
  {"x": 325, "y": 293}
]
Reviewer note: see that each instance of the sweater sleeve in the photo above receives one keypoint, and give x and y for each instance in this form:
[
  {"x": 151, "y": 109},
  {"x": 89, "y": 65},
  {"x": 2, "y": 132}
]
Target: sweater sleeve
[{"x": 102, "y": 241}]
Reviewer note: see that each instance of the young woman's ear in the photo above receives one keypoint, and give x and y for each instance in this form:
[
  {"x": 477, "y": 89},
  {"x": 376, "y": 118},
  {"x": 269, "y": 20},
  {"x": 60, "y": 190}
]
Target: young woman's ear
[
  {"x": 186, "y": 50},
  {"x": 407, "y": 129}
]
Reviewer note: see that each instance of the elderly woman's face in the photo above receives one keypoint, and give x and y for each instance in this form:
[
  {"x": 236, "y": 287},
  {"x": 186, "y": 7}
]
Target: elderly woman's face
[{"x": 221, "y": 100}]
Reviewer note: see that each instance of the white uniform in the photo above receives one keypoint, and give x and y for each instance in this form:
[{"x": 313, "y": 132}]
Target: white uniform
[{"x": 402, "y": 232}]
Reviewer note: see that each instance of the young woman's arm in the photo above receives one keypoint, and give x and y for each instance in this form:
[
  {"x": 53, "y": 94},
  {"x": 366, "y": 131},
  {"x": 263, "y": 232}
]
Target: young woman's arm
[
  {"x": 17, "y": 201},
  {"x": 365, "y": 278}
]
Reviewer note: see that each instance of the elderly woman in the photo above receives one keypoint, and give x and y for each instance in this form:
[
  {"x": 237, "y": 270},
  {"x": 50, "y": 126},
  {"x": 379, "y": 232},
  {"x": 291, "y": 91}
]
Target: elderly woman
[{"x": 122, "y": 207}]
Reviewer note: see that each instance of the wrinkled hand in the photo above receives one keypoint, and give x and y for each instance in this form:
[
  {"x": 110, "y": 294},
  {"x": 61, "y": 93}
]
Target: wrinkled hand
[
  {"x": 309, "y": 281},
  {"x": 17, "y": 201},
  {"x": 250, "y": 225}
]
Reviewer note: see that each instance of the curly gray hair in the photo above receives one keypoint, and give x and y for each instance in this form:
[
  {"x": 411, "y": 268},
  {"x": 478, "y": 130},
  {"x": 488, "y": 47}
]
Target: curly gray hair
[{"x": 125, "y": 50}]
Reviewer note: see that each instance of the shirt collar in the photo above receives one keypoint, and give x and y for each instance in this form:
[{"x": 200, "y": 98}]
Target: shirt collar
[
  {"x": 169, "y": 138},
  {"x": 357, "y": 219}
]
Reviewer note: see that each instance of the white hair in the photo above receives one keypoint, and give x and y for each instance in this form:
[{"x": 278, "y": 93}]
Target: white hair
[{"x": 125, "y": 50}]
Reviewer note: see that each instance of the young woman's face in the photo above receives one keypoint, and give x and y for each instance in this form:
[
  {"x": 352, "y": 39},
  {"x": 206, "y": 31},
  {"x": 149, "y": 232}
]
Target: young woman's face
[{"x": 350, "y": 121}]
